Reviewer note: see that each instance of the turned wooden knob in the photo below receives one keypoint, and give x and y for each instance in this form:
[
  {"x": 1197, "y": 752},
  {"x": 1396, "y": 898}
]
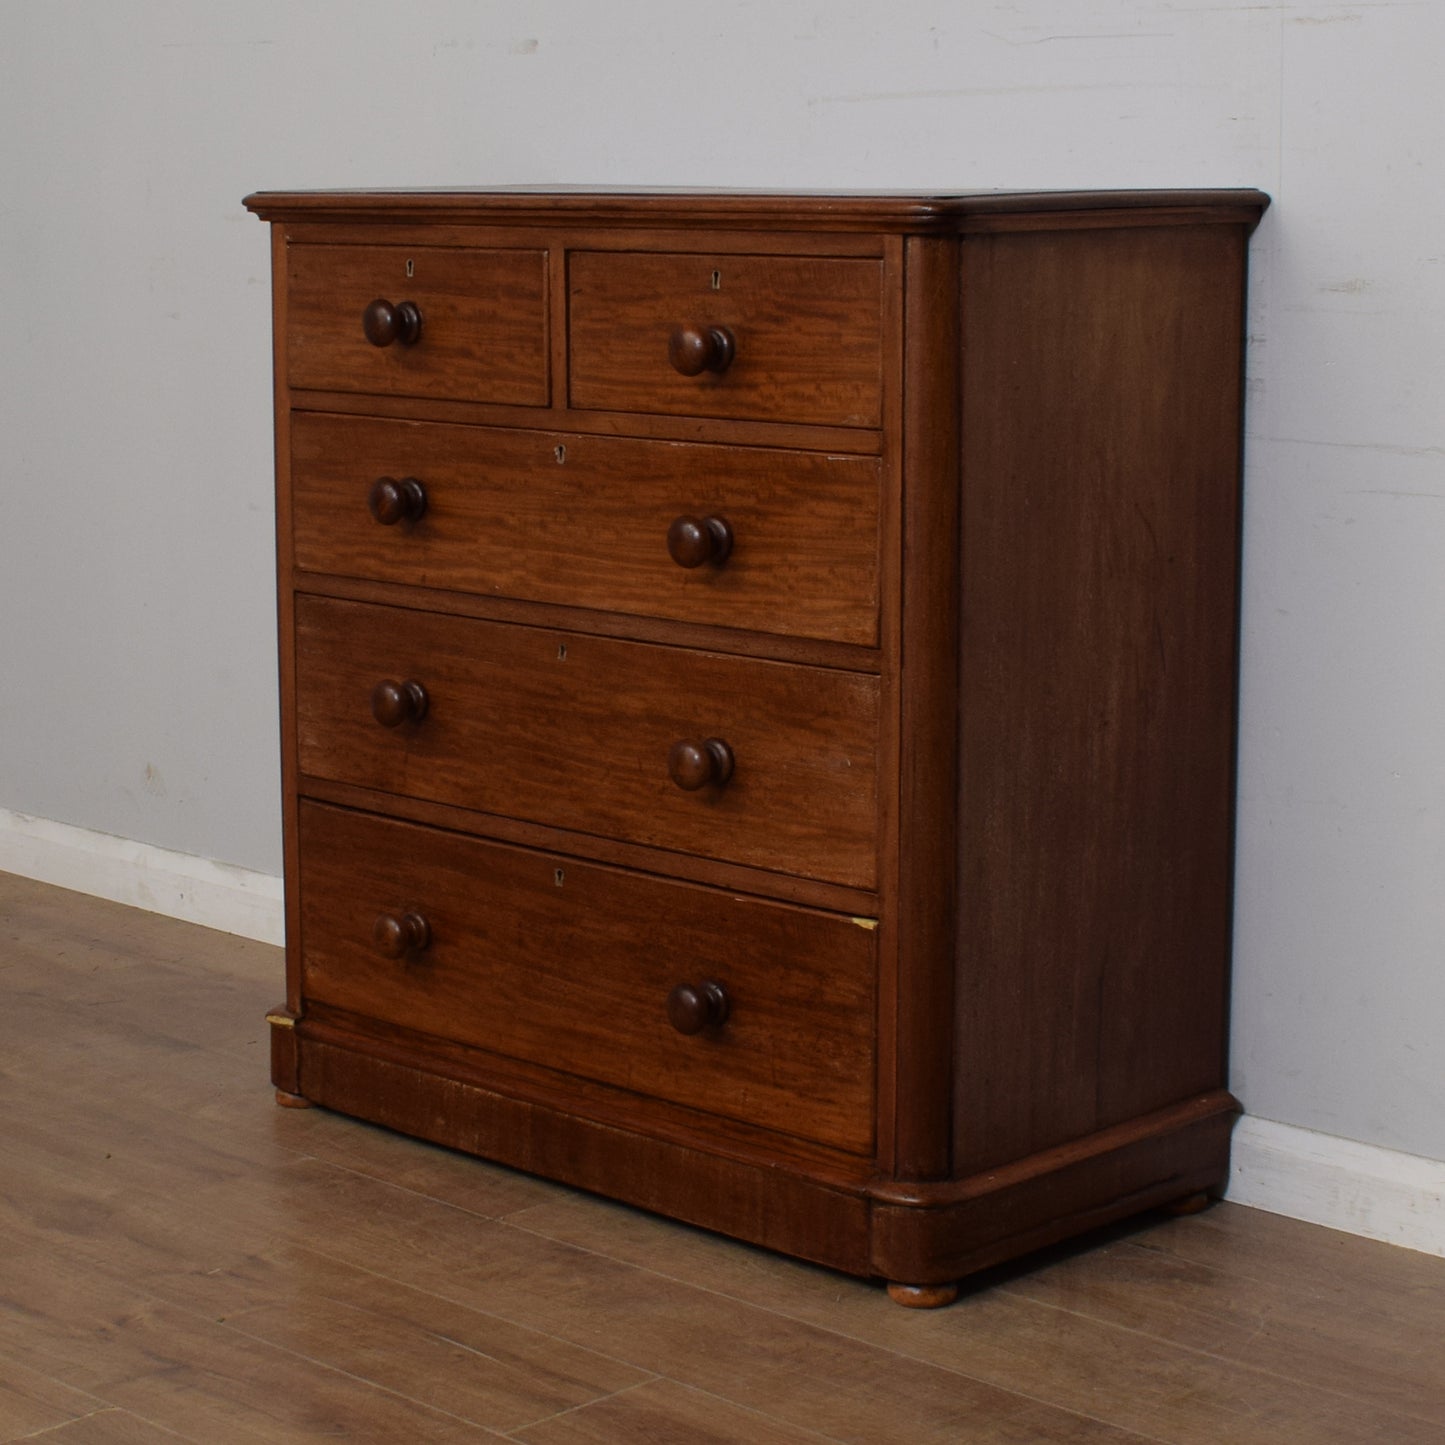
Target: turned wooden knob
[
  {"x": 691, "y": 541},
  {"x": 385, "y": 323},
  {"x": 396, "y": 935},
  {"x": 693, "y": 765},
  {"x": 394, "y": 703},
  {"x": 691, "y": 1010},
  {"x": 693, "y": 350},
  {"x": 391, "y": 501}
]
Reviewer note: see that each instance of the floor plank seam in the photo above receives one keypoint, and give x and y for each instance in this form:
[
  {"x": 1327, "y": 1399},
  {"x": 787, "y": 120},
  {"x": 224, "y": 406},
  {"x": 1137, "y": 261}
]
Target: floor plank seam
[
  {"x": 103, "y": 1410},
  {"x": 753, "y": 1410},
  {"x": 1230, "y": 1361},
  {"x": 229, "y": 1325},
  {"x": 857, "y": 1339},
  {"x": 400, "y": 1188},
  {"x": 515, "y": 1432},
  {"x": 489, "y": 1314},
  {"x": 344, "y": 1374}
]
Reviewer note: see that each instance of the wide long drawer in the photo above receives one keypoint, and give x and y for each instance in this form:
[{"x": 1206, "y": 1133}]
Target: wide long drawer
[
  {"x": 593, "y": 971},
  {"x": 762, "y": 763},
  {"x": 750, "y": 537}
]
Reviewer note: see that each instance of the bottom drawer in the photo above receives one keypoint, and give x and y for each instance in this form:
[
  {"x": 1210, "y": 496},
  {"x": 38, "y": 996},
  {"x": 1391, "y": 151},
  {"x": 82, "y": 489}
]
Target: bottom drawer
[{"x": 592, "y": 971}]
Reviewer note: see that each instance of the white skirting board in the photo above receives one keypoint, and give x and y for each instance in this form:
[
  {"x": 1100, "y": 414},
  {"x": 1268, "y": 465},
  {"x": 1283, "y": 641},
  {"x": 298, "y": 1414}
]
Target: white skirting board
[
  {"x": 1279, "y": 1168},
  {"x": 217, "y": 895},
  {"x": 1358, "y": 1188}
]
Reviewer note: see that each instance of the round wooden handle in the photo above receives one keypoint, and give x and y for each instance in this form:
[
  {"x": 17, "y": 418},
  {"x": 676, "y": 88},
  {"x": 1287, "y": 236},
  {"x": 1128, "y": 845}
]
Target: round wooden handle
[
  {"x": 693, "y": 350},
  {"x": 394, "y": 703},
  {"x": 390, "y": 501},
  {"x": 385, "y": 323},
  {"x": 691, "y": 1010},
  {"x": 396, "y": 935},
  {"x": 693, "y": 765},
  {"x": 691, "y": 541}
]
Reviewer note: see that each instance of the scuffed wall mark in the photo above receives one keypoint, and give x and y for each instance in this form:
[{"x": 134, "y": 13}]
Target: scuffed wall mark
[
  {"x": 1345, "y": 19},
  {"x": 210, "y": 44},
  {"x": 1100, "y": 35},
  {"x": 1385, "y": 447},
  {"x": 1352, "y": 287},
  {"x": 525, "y": 47},
  {"x": 154, "y": 784},
  {"x": 1388, "y": 492},
  {"x": 891, "y": 95}
]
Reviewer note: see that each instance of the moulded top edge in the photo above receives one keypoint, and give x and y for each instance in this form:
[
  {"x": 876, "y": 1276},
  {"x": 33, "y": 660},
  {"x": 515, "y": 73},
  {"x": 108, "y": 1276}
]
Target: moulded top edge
[{"x": 903, "y": 211}]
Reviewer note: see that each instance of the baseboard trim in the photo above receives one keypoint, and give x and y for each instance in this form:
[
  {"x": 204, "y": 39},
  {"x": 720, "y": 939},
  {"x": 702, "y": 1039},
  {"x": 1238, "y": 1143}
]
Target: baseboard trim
[
  {"x": 216, "y": 895},
  {"x": 1357, "y": 1188}
]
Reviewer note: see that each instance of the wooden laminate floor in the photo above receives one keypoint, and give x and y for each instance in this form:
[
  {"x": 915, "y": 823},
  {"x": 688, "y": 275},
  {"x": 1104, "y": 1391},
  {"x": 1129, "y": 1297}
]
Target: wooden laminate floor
[{"x": 182, "y": 1260}]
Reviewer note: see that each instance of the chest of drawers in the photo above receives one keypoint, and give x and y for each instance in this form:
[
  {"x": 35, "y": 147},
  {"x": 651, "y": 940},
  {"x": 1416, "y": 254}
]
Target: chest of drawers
[{"x": 758, "y": 691}]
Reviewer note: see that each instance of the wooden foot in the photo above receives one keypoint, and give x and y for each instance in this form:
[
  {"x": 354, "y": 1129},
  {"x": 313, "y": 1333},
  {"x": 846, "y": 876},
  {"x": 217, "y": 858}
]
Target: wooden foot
[
  {"x": 1190, "y": 1204},
  {"x": 922, "y": 1296},
  {"x": 291, "y": 1101}
]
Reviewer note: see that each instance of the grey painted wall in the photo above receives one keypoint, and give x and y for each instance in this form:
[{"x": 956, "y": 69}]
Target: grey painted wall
[{"x": 135, "y": 468}]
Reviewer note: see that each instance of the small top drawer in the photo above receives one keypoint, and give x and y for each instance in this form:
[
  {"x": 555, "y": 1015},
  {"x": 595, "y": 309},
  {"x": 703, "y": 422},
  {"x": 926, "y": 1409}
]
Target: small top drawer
[
  {"x": 455, "y": 323},
  {"x": 768, "y": 338}
]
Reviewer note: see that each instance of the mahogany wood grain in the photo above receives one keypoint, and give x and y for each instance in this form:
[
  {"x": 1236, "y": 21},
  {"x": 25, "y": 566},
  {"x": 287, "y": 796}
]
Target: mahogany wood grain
[
  {"x": 620, "y": 1109},
  {"x": 833, "y": 213},
  {"x": 586, "y": 521},
  {"x": 575, "y": 731},
  {"x": 775, "y": 646},
  {"x": 937, "y": 1233},
  {"x": 284, "y": 1066},
  {"x": 939, "y": 549},
  {"x": 693, "y": 541},
  {"x": 922, "y": 1296},
  {"x": 482, "y": 329},
  {"x": 540, "y": 957},
  {"x": 761, "y": 882},
  {"x": 747, "y": 432},
  {"x": 805, "y": 333},
  {"x": 922, "y": 891},
  {"x": 1099, "y": 606},
  {"x": 693, "y": 350},
  {"x": 789, "y": 1209}
]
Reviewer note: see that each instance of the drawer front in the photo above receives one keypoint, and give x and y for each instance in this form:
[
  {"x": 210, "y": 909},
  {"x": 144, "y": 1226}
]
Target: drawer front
[
  {"x": 594, "y": 522},
  {"x": 571, "y": 966},
  {"x": 483, "y": 322},
  {"x": 806, "y": 336},
  {"x": 581, "y": 732}
]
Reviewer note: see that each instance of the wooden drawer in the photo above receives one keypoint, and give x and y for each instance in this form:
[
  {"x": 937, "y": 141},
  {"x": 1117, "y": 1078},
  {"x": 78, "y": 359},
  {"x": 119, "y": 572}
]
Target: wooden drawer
[
  {"x": 483, "y": 322},
  {"x": 806, "y": 334},
  {"x": 570, "y": 965},
  {"x": 577, "y": 732},
  {"x": 585, "y": 521}
]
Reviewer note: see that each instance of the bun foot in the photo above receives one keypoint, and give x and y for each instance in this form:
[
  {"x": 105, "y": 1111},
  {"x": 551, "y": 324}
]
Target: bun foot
[
  {"x": 1190, "y": 1204},
  {"x": 922, "y": 1296},
  {"x": 291, "y": 1101}
]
